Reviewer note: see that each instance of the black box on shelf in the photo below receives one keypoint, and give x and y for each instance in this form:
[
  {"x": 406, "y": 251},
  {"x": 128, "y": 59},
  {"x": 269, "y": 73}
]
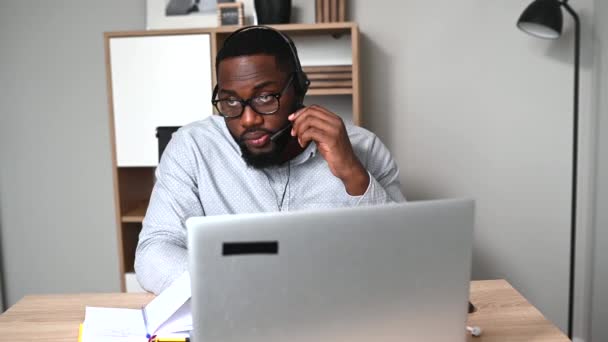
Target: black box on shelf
[{"x": 163, "y": 134}]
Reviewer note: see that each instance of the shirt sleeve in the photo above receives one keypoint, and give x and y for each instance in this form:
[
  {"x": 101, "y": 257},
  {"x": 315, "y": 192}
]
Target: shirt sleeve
[
  {"x": 161, "y": 255},
  {"x": 384, "y": 185}
]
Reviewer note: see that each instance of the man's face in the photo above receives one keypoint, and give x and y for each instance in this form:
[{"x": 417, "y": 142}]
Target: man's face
[{"x": 245, "y": 77}]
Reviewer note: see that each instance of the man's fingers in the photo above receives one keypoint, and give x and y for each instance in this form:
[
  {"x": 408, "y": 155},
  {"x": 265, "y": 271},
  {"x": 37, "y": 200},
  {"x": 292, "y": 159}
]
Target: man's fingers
[
  {"x": 317, "y": 116},
  {"x": 314, "y": 134},
  {"x": 310, "y": 121},
  {"x": 295, "y": 114},
  {"x": 312, "y": 109}
]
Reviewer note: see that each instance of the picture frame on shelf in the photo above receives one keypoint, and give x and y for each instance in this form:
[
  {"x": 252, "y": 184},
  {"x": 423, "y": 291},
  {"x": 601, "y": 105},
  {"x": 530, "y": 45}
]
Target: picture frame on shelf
[
  {"x": 175, "y": 14},
  {"x": 230, "y": 14}
]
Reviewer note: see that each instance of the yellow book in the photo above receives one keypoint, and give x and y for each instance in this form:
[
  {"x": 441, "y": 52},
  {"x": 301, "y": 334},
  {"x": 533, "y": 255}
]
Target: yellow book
[{"x": 80, "y": 333}]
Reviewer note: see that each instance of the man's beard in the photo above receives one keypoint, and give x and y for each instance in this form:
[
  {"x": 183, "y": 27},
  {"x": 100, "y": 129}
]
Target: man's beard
[{"x": 267, "y": 159}]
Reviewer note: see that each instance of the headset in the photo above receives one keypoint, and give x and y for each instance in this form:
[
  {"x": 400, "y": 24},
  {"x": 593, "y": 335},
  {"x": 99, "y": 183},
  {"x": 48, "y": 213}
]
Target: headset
[{"x": 301, "y": 80}]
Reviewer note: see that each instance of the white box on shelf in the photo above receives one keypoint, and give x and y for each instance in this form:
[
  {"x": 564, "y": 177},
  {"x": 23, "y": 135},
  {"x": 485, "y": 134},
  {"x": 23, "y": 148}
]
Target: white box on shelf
[
  {"x": 157, "y": 81},
  {"x": 324, "y": 50}
]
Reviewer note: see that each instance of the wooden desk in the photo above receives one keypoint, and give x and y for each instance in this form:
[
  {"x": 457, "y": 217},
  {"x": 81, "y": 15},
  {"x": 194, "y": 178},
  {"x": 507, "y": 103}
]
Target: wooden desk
[{"x": 503, "y": 314}]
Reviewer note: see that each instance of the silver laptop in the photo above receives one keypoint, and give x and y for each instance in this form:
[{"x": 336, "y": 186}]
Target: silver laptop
[{"x": 384, "y": 273}]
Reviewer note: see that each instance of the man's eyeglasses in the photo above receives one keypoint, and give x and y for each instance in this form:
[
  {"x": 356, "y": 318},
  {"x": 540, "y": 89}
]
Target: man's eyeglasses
[{"x": 262, "y": 104}]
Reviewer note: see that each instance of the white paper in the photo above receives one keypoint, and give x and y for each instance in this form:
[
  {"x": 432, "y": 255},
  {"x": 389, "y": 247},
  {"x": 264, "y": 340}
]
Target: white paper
[
  {"x": 168, "y": 315},
  {"x": 180, "y": 321},
  {"x": 165, "y": 305},
  {"x": 108, "y": 324}
]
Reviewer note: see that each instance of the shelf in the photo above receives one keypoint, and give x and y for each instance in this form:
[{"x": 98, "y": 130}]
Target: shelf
[
  {"x": 330, "y": 28},
  {"x": 326, "y": 28},
  {"x": 135, "y": 215},
  {"x": 330, "y": 91}
]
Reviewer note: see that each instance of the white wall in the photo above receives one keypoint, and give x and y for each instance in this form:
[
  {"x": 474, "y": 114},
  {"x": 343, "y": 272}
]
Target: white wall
[
  {"x": 57, "y": 219},
  {"x": 471, "y": 106}
]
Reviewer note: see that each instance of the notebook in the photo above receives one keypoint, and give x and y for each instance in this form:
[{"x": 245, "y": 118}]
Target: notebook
[{"x": 168, "y": 315}]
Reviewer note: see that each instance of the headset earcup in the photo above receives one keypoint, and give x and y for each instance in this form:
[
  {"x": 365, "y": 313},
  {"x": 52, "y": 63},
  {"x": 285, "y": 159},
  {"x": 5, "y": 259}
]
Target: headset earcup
[{"x": 303, "y": 82}]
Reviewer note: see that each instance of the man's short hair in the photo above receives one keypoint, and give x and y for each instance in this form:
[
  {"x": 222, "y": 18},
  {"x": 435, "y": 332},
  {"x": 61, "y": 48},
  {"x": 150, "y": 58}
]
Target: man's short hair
[{"x": 258, "y": 42}]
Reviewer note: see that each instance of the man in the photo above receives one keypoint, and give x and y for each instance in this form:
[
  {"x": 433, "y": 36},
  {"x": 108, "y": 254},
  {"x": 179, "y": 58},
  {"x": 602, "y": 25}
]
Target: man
[{"x": 264, "y": 152}]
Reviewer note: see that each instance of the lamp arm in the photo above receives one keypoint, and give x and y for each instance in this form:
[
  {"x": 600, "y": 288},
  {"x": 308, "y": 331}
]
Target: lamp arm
[{"x": 577, "y": 57}]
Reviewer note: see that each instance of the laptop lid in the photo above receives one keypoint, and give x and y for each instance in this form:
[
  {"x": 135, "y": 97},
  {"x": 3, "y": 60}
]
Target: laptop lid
[{"x": 396, "y": 272}]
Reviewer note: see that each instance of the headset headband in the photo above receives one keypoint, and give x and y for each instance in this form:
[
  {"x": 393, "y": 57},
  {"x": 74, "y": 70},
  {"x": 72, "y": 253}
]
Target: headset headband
[{"x": 287, "y": 40}]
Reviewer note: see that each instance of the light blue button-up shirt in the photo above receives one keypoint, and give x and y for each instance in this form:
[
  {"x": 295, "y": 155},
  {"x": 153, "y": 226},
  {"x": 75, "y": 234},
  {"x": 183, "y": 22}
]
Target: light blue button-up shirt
[{"x": 202, "y": 173}]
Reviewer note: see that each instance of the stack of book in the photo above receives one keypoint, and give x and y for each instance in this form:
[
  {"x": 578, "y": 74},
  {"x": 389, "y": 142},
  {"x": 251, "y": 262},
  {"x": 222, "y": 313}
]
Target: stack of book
[
  {"x": 330, "y": 11},
  {"x": 330, "y": 77}
]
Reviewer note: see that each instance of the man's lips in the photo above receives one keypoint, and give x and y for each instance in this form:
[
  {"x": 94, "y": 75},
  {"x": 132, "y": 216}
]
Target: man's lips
[
  {"x": 257, "y": 139},
  {"x": 253, "y": 135}
]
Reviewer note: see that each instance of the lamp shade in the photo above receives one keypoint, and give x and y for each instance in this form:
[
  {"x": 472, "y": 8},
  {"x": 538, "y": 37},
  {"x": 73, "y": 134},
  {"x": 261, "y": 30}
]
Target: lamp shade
[{"x": 543, "y": 19}]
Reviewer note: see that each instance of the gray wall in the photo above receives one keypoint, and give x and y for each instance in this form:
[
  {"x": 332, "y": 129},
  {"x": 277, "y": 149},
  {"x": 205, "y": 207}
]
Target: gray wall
[
  {"x": 471, "y": 106},
  {"x": 599, "y": 326},
  {"x": 58, "y": 228}
]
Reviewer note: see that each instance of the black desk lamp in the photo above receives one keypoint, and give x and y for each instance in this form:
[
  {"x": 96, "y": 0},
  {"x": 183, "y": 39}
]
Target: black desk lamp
[{"x": 543, "y": 19}]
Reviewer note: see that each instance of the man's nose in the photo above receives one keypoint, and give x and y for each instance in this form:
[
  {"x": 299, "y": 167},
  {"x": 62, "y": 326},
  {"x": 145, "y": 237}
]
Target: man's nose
[{"x": 250, "y": 118}]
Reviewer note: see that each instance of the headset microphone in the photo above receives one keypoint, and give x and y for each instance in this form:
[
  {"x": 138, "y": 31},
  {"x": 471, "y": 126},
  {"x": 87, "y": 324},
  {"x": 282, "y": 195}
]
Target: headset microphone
[
  {"x": 287, "y": 127},
  {"x": 282, "y": 131}
]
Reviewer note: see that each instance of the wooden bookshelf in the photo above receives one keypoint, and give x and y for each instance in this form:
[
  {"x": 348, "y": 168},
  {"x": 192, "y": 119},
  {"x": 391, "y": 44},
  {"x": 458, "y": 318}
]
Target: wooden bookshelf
[
  {"x": 318, "y": 28},
  {"x": 135, "y": 215},
  {"x": 133, "y": 185},
  {"x": 331, "y": 91}
]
